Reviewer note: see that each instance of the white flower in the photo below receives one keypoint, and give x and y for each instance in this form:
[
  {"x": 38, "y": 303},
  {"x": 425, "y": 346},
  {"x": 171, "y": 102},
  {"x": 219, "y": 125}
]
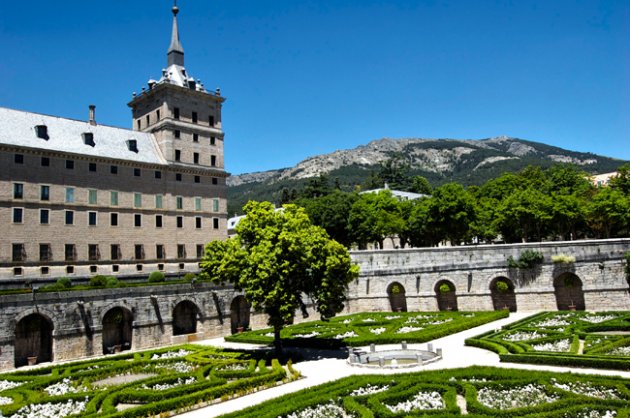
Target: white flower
[
  {"x": 63, "y": 387},
  {"x": 596, "y": 319},
  {"x": 423, "y": 401},
  {"x": 559, "y": 346},
  {"x": 330, "y": 410},
  {"x": 179, "y": 366},
  {"x": 311, "y": 335},
  {"x": 620, "y": 351},
  {"x": 377, "y": 331},
  {"x": 404, "y": 330},
  {"x": 348, "y": 334},
  {"x": 5, "y": 400},
  {"x": 7, "y": 384},
  {"x": 521, "y": 336},
  {"x": 514, "y": 397},
  {"x": 170, "y": 354},
  {"x": 369, "y": 390},
  {"x": 588, "y": 389},
  {"x": 369, "y": 320},
  {"x": 390, "y": 317},
  {"x": 51, "y": 410},
  {"x": 166, "y": 386},
  {"x": 551, "y": 322}
]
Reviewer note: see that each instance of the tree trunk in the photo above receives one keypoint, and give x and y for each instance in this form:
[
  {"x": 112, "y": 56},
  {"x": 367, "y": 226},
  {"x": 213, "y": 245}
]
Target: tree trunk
[{"x": 277, "y": 342}]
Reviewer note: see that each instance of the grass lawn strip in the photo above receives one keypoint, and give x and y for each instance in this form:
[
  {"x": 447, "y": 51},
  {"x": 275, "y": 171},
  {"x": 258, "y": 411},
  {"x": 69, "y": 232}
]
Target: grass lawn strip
[{"x": 136, "y": 384}]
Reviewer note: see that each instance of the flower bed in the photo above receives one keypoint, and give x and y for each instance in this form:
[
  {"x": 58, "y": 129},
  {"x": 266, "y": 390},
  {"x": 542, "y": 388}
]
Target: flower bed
[
  {"x": 145, "y": 383},
  {"x": 582, "y": 339},
  {"x": 378, "y": 328},
  {"x": 477, "y": 391}
]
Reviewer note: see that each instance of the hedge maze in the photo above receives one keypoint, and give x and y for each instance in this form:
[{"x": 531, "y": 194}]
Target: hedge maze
[
  {"x": 376, "y": 327},
  {"x": 474, "y": 391},
  {"x": 136, "y": 385},
  {"x": 581, "y": 339}
]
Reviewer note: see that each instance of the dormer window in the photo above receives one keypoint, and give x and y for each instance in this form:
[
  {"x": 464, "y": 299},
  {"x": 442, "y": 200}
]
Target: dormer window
[
  {"x": 42, "y": 131},
  {"x": 88, "y": 138},
  {"x": 132, "y": 144}
]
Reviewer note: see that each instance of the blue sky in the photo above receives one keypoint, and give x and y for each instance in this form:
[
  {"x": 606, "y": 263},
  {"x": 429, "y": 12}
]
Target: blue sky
[{"x": 305, "y": 77}]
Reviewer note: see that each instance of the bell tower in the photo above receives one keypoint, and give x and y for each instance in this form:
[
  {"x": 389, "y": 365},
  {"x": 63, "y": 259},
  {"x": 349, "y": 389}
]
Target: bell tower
[{"x": 183, "y": 116}]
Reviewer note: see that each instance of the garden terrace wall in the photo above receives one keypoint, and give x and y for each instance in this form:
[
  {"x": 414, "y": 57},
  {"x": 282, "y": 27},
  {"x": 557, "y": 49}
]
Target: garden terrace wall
[{"x": 599, "y": 265}]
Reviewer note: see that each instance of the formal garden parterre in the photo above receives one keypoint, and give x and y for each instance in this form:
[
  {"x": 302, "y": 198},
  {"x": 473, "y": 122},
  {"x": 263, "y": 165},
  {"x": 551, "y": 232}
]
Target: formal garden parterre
[
  {"x": 373, "y": 328},
  {"x": 582, "y": 339},
  {"x": 137, "y": 384},
  {"x": 473, "y": 391}
]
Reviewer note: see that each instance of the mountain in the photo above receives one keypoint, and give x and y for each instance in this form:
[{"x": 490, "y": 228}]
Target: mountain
[{"x": 470, "y": 162}]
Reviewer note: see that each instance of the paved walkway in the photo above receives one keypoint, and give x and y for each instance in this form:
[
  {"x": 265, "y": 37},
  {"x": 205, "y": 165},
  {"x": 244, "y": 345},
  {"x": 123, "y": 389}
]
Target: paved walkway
[{"x": 454, "y": 355}]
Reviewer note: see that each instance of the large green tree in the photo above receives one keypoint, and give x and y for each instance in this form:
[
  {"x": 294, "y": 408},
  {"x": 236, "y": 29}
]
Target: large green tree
[
  {"x": 331, "y": 212},
  {"x": 373, "y": 217},
  {"x": 277, "y": 259}
]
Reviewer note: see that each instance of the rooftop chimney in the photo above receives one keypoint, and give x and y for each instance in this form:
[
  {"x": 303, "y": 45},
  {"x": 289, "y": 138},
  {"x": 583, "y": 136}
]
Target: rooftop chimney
[{"x": 92, "y": 118}]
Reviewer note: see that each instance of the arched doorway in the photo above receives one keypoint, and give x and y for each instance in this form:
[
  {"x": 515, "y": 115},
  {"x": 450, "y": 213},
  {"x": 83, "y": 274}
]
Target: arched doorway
[
  {"x": 117, "y": 330},
  {"x": 33, "y": 340},
  {"x": 502, "y": 291},
  {"x": 397, "y": 299},
  {"x": 185, "y": 318},
  {"x": 239, "y": 314},
  {"x": 446, "y": 296},
  {"x": 569, "y": 294}
]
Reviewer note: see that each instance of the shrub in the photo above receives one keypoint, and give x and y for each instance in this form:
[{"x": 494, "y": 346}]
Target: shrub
[
  {"x": 112, "y": 281},
  {"x": 563, "y": 259},
  {"x": 527, "y": 260},
  {"x": 445, "y": 288},
  {"x": 98, "y": 281},
  {"x": 64, "y": 282},
  {"x": 502, "y": 286},
  {"x": 189, "y": 277},
  {"x": 156, "y": 276}
]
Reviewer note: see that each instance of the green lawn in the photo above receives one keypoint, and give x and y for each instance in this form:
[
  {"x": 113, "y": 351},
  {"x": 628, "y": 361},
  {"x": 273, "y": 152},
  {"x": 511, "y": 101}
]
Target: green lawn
[
  {"x": 583, "y": 339},
  {"x": 377, "y": 327},
  {"x": 136, "y": 384},
  {"x": 480, "y": 392}
]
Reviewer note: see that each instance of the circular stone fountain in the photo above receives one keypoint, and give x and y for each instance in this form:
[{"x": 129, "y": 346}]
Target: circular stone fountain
[{"x": 394, "y": 358}]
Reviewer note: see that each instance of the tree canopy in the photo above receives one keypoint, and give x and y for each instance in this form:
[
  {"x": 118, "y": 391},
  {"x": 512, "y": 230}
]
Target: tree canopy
[{"x": 281, "y": 261}]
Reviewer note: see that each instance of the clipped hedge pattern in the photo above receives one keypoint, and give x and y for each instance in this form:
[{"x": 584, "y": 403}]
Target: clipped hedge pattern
[
  {"x": 595, "y": 340},
  {"x": 377, "y": 327},
  {"x": 458, "y": 387},
  {"x": 209, "y": 374}
]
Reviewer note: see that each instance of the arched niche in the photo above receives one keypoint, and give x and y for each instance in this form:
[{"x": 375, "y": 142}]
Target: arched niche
[
  {"x": 569, "y": 293},
  {"x": 33, "y": 340},
  {"x": 185, "y": 318},
  {"x": 502, "y": 292},
  {"x": 117, "y": 330},
  {"x": 446, "y": 295},
  {"x": 239, "y": 314},
  {"x": 397, "y": 298}
]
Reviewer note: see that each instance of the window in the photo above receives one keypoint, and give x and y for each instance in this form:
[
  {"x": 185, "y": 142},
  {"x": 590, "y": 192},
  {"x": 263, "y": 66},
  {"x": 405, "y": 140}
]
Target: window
[
  {"x": 179, "y": 202},
  {"x": 92, "y": 196},
  {"x": 44, "y": 193},
  {"x": 197, "y": 203},
  {"x": 176, "y": 113},
  {"x": 18, "y": 190},
  {"x": 159, "y": 252},
  {"x": 197, "y": 179},
  {"x": 69, "y": 194},
  {"x": 115, "y": 268},
  {"x": 18, "y": 252},
  {"x": 180, "y": 221},
  {"x": 115, "y": 252},
  {"x": 42, "y": 132},
  {"x": 158, "y": 221},
  {"x": 139, "y": 124},
  {"x": 178, "y": 177},
  {"x": 132, "y": 145},
  {"x": 139, "y": 251},
  {"x": 113, "y": 219},
  {"x": 211, "y": 120},
  {"x": 70, "y": 252},
  {"x": 215, "y": 205},
  {"x": 148, "y": 120},
  {"x": 215, "y": 180},
  {"x": 199, "y": 250},
  {"x": 18, "y": 158},
  {"x": 158, "y": 174},
  {"x": 92, "y": 167},
  {"x": 45, "y": 162},
  {"x": 198, "y": 222},
  {"x": 213, "y": 160},
  {"x": 194, "y": 117},
  {"x": 159, "y": 201},
  {"x": 113, "y": 169},
  {"x": 92, "y": 218},
  {"x": 215, "y": 223},
  {"x": 93, "y": 253},
  {"x": 70, "y": 164},
  {"x": 69, "y": 217},
  {"x": 137, "y": 219},
  {"x": 137, "y": 200},
  {"x": 69, "y": 269},
  {"x": 195, "y": 137},
  {"x": 136, "y": 172},
  {"x": 157, "y": 114},
  {"x": 113, "y": 198},
  {"x": 177, "y": 133},
  {"x": 18, "y": 215},
  {"x": 196, "y": 157},
  {"x": 178, "y": 155},
  {"x": 44, "y": 271},
  {"x": 213, "y": 140},
  {"x": 88, "y": 138},
  {"x": 181, "y": 251},
  {"x": 44, "y": 216},
  {"x": 45, "y": 254}
]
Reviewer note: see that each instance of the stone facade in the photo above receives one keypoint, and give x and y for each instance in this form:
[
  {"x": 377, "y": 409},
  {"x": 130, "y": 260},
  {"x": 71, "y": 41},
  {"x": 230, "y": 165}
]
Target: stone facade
[{"x": 76, "y": 321}]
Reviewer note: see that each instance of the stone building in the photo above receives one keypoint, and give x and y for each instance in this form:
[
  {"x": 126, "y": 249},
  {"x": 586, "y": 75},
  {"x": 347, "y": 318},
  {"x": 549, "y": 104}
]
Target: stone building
[{"x": 78, "y": 198}]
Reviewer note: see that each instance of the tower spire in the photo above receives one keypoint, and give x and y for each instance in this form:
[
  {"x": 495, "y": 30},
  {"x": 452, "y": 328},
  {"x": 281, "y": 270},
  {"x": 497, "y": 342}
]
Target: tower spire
[{"x": 175, "y": 54}]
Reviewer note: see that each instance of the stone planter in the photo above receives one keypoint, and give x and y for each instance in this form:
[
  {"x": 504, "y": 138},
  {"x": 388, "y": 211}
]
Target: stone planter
[{"x": 31, "y": 361}]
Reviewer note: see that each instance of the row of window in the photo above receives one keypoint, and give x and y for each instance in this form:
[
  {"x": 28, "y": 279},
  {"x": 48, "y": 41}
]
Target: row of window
[
  {"x": 194, "y": 117},
  {"x": 94, "y": 253},
  {"x": 92, "y": 219},
  {"x": 178, "y": 157},
  {"x": 113, "y": 169},
  {"x": 92, "y": 198}
]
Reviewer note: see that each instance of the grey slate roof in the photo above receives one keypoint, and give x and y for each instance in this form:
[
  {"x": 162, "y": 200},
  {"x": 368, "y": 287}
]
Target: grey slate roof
[{"x": 17, "y": 128}]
